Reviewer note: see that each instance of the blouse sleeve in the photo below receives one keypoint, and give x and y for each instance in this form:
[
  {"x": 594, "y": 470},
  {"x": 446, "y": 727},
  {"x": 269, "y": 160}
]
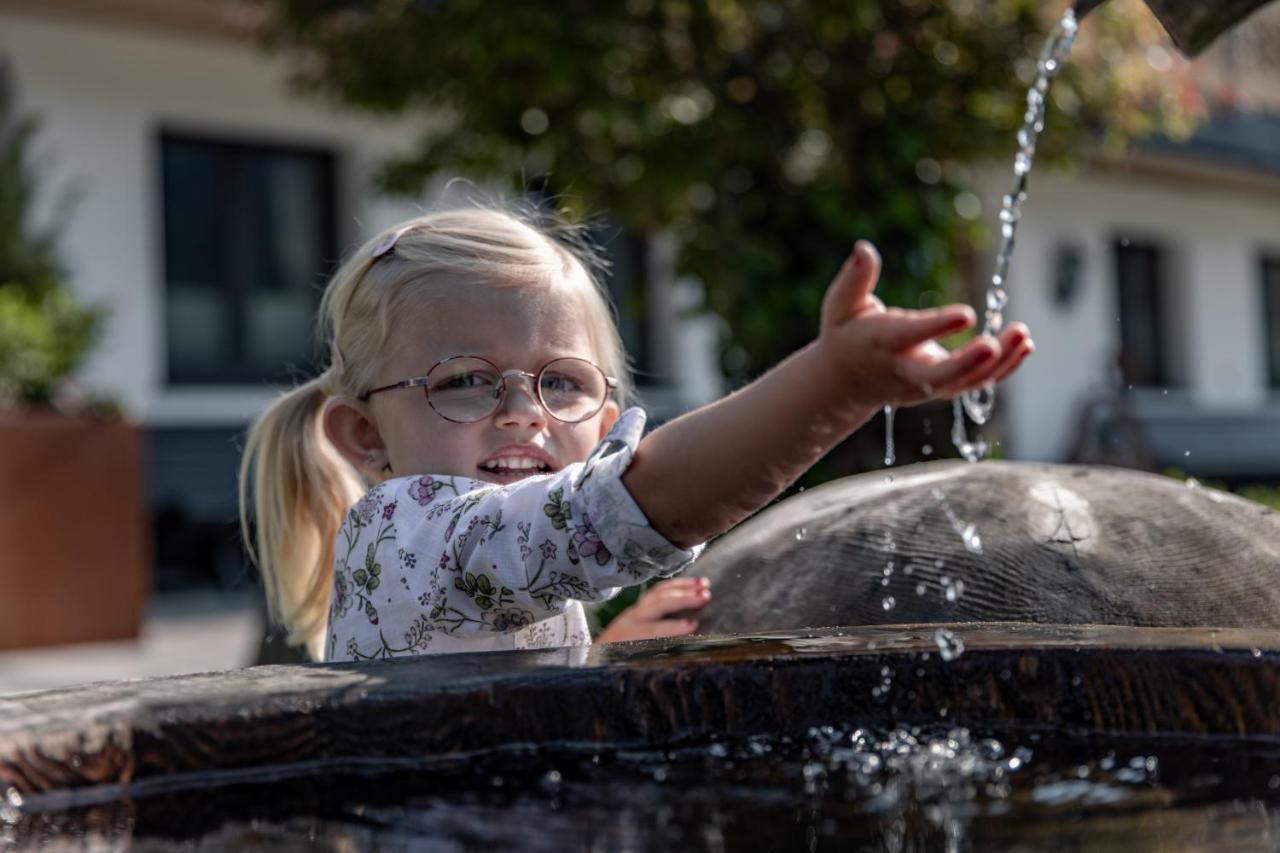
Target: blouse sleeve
[{"x": 421, "y": 555}]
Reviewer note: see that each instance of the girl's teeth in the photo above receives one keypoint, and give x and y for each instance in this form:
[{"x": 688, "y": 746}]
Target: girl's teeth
[{"x": 515, "y": 464}]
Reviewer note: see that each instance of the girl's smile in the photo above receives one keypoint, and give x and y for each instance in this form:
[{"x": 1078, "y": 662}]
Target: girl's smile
[{"x": 515, "y": 462}]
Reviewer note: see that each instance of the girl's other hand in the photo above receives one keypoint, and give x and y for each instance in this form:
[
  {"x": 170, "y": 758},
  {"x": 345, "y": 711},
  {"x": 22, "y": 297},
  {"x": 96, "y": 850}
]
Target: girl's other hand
[
  {"x": 891, "y": 355},
  {"x": 654, "y": 615}
]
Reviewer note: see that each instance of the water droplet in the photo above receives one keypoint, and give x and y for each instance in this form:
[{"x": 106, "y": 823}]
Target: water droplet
[
  {"x": 800, "y": 533},
  {"x": 888, "y": 603},
  {"x": 1186, "y": 453},
  {"x": 1193, "y": 483},
  {"x": 1257, "y": 653},
  {"x": 920, "y": 589},
  {"x": 927, "y": 450},
  {"x": 949, "y": 645},
  {"x": 550, "y": 782}
]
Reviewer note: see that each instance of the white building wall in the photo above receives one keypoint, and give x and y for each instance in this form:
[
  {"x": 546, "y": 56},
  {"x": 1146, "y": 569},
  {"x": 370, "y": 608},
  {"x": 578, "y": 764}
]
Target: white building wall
[
  {"x": 1214, "y": 237},
  {"x": 102, "y": 94}
]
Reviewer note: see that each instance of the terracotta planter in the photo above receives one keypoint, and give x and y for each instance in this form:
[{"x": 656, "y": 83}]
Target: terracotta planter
[{"x": 74, "y": 552}]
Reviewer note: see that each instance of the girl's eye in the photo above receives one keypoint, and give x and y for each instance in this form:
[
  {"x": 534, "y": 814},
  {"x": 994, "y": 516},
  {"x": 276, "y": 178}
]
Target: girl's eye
[
  {"x": 560, "y": 384},
  {"x": 464, "y": 382}
]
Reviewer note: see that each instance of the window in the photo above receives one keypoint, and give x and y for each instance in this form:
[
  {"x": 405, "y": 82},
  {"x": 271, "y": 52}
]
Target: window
[
  {"x": 1271, "y": 298},
  {"x": 248, "y": 238},
  {"x": 1139, "y": 279}
]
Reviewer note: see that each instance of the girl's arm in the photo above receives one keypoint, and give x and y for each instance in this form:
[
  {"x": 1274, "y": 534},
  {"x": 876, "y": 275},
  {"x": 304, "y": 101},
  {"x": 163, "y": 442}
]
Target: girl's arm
[{"x": 702, "y": 473}]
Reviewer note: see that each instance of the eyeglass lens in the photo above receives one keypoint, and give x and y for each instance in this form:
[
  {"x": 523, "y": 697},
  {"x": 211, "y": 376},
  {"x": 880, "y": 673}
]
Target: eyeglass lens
[{"x": 467, "y": 389}]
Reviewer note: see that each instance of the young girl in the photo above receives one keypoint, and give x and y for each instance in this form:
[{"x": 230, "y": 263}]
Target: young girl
[{"x": 466, "y": 471}]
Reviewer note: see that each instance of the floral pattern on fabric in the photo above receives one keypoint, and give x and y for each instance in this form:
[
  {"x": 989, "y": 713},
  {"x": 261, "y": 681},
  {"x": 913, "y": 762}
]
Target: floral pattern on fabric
[{"x": 432, "y": 563}]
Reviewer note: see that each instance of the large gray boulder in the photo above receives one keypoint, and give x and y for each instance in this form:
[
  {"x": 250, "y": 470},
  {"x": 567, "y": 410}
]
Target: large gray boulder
[{"x": 999, "y": 541}]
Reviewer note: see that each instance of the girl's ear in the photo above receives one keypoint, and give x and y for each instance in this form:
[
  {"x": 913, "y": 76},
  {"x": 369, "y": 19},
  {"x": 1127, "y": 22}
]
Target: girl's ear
[
  {"x": 608, "y": 416},
  {"x": 349, "y": 426}
]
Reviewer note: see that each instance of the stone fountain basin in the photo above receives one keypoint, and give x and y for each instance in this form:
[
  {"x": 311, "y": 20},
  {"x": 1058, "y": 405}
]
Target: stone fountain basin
[{"x": 117, "y": 740}]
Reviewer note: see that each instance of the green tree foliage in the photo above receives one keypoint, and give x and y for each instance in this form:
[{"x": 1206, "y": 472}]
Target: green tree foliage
[
  {"x": 44, "y": 335},
  {"x": 768, "y": 134}
]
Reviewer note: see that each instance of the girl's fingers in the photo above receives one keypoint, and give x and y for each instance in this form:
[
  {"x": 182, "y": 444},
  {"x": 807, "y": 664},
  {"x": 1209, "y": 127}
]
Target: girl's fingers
[
  {"x": 680, "y": 583},
  {"x": 671, "y": 628},
  {"x": 676, "y": 601},
  {"x": 1017, "y": 344},
  {"x": 669, "y": 597},
  {"x": 1015, "y": 362},
  {"x": 852, "y": 285},
  {"x": 973, "y": 359},
  {"x": 903, "y": 331}
]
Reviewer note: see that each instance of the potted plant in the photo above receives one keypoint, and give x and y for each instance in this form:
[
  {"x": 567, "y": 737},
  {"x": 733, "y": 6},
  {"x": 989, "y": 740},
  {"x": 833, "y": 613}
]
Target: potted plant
[{"x": 73, "y": 544}]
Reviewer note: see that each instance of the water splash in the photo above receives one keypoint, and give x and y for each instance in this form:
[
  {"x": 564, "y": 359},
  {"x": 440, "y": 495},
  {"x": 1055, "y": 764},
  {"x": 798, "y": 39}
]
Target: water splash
[
  {"x": 952, "y": 590},
  {"x": 979, "y": 404},
  {"x": 949, "y": 645},
  {"x": 889, "y": 455},
  {"x": 967, "y": 531},
  {"x": 972, "y": 451}
]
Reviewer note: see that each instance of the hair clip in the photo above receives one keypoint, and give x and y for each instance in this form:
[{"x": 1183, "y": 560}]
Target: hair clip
[{"x": 388, "y": 243}]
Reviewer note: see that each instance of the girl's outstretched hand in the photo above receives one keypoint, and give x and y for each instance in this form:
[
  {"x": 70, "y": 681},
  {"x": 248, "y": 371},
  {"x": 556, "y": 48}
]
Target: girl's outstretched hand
[
  {"x": 891, "y": 355},
  {"x": 652, "y": 615}
]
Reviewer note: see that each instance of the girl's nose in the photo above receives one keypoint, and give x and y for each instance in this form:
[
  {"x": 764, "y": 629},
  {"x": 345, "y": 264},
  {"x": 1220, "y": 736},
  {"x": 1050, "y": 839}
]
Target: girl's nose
[{"x": 519, "y": 406}]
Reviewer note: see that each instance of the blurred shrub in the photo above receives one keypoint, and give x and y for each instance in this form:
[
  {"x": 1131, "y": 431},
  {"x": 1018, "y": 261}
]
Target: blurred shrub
[{"x": 44, "y": 338}]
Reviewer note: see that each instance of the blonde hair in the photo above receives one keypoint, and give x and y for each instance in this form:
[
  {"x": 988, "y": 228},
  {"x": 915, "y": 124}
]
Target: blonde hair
[{"x": 301, "y": 486}]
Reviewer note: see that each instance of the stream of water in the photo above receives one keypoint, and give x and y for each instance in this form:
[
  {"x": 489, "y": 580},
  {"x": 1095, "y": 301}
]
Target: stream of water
[{"x": 978, "y": 405}]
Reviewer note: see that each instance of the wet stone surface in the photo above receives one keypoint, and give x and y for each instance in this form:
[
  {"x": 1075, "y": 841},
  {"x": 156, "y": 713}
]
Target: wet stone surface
[{"x": 831, "y": 788}]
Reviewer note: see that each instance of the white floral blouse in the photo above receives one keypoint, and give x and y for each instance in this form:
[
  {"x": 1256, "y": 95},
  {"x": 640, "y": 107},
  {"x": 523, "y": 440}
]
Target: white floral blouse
[{"x": 430, "y": 564}]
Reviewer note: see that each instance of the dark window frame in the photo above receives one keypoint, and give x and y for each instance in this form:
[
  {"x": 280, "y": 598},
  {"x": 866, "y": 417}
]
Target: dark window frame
[
  {"x": 238, "y": 155},
  {"x": 1269, "y": 274},
  {"x": 1143, "y": 313}
]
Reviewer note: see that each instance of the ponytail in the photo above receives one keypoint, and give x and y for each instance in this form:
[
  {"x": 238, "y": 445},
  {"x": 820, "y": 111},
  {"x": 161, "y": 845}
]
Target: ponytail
[{"x": 301, "y": 491}]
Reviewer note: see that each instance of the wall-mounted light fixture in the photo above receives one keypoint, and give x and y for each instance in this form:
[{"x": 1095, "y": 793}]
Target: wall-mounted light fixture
[{"x": 1068, "y": 274}]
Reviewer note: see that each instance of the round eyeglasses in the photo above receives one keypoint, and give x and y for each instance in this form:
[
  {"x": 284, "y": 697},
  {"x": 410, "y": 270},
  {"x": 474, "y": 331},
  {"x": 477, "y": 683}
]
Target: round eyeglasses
[{"x": 467, "y": 388}]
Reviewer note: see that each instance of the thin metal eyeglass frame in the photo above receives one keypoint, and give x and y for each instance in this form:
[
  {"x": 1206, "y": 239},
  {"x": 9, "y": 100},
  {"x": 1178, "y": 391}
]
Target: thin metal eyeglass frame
[{"x": 611, "y": 385}]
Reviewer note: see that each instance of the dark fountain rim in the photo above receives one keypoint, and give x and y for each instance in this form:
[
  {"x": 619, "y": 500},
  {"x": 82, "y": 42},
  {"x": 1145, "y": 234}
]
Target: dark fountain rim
[{"x": 116, "y": 739}]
